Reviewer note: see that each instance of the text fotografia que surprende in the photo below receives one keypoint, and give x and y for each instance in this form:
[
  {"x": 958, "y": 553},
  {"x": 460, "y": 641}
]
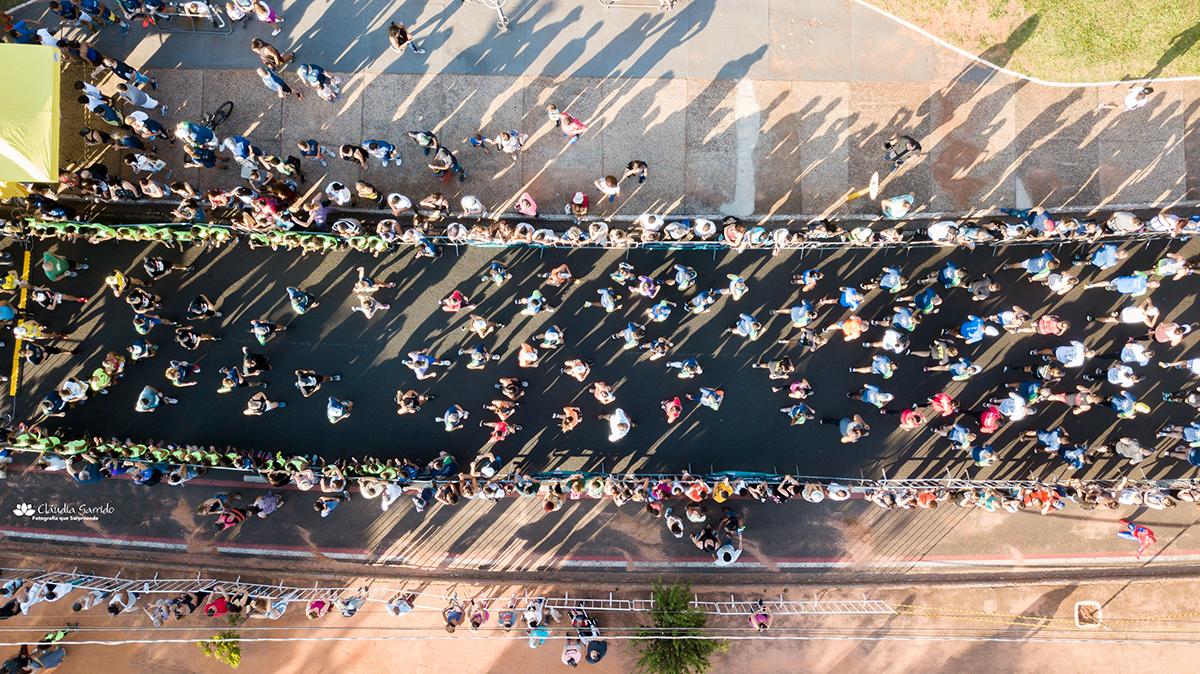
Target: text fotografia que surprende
[{"x": 55, "y": 512}]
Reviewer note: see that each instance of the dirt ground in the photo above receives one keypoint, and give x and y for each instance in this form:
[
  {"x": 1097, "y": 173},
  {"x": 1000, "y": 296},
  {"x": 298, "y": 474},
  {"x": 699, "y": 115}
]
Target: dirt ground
[{"x": 952, "y": 630}]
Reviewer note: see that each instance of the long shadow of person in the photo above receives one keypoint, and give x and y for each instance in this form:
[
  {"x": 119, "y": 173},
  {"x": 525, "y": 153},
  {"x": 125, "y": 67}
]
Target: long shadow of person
[
  {"x": 1001, "y": 53},
  {"x": 1180, "y": 44}
]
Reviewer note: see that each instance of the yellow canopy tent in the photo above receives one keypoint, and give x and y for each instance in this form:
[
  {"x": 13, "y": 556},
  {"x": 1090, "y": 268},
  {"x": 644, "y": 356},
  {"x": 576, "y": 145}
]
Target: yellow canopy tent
[{"x": 29, "y": 121}]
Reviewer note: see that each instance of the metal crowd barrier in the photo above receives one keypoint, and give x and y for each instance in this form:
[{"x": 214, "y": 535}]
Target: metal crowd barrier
[
  {"x": 709, "y": 245},
  {"x": 170, "y": 587}
]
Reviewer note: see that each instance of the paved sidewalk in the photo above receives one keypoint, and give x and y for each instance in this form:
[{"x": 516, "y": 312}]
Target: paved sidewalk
[
  {"x": 729, "y": 125},
  {"x": 853, "y": 542}
]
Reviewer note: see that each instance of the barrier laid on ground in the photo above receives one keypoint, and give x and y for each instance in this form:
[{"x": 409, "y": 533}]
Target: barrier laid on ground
[{"x": 164, "y": 588}]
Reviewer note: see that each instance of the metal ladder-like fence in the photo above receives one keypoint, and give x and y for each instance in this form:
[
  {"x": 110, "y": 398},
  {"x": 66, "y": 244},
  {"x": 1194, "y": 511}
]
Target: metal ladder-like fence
[
  {"x": 170, "y": 587},
  {"x": 789, "y": 607}
]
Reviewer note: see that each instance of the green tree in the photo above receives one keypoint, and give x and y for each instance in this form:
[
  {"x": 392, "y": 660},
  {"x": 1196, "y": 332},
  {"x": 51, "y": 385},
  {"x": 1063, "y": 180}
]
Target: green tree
[
  {"x": 673, "y": 616},
  {"x": 225, "y": 646}
]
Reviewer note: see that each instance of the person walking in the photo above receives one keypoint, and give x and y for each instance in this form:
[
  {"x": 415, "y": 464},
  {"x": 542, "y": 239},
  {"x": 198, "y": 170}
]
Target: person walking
[
  {"x": 57, "y": 267},
  {"x": 139, "y": 98},
  {"x": 1138, "y": 96},
  {"x": 571, "y": 127},
  {"x": 270, "y": 56},
  {"x": 636, "y": 168},
  {"x": 382, "y": 151},
  {"x": 398, "y": 36},
  {"x": 609, "y": 186},
  {"x": 273, "y": 82},
  {"x": 897, "y": 148}
]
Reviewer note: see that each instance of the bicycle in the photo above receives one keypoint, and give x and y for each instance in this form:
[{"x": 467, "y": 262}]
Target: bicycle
[
  {"x": 216, "y": 118},
  {"x": 502, "y": 23}
]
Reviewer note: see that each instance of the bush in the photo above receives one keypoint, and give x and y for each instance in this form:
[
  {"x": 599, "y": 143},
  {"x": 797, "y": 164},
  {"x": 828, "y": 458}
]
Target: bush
[
  {"x": 673, "y": 616},
  {"x": 225, "y": 646}
]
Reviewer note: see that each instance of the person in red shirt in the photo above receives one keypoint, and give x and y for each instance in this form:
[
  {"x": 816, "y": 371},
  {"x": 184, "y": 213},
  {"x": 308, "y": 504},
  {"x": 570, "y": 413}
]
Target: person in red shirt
[
  {"x": 989, "y": 418},
  {"x": 943, "y": 404},
  {"x": 910, "y": 418},
  {"x": 673, "y": 408},
  {"x": 1143, "y": 536},
  {"x": 500, "y": 429}
]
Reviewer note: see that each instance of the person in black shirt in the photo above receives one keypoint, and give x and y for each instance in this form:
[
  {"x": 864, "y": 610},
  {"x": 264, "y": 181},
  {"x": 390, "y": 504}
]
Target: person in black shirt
[
  {"x": 254, "y": 364},
  {"x": 157, "y": 267}
]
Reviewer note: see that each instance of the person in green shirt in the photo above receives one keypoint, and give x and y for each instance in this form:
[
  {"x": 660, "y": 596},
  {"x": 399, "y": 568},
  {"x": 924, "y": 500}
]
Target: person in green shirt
[{"x": 57, "y": 267}]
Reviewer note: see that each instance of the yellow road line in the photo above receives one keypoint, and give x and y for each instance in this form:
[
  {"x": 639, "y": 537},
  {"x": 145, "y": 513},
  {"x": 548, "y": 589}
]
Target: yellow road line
[{"x": 16, "y": 368}]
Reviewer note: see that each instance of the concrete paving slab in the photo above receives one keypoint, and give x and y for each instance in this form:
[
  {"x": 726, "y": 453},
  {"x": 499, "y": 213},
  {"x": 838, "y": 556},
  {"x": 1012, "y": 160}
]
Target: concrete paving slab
[
  {"x": 633, "y": 50},
  {"x": 474, "y": 44},
  {"x": 824, "y": 124},
  {"x": 1060, "y": 172},
  {"x": 567, "y": 44},
  {"x": 971, "y": 146},
  {"x": 881, "y": 51},
  {"x": 492, "y": 105},
  {"x": 776, "y": 154},
  {"x": 877, "y": 113},
  {"x": 646, "y": 124},
  {"x": 1133, "y": 171},
  {"x": 1054, "y": 113},
  {"x": 729, "y": 44},
  {"x": 553, "y": 168},
  {"x": 807, "y": 40}
]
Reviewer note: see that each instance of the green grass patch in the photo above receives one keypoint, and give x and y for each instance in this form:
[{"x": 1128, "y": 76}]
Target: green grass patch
[{"x": 1068, "y": 40}]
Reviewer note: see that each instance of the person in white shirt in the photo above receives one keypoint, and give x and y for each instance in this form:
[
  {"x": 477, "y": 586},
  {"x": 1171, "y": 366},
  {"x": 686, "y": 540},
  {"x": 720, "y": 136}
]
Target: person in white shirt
[
  {"x": 1138, "y": 96},
  {"x": 618, "y": 423},
  {"x": 89, "y": 600},
  {"x": 122, "y": 601},
  {"x": 340, "y": 194}
]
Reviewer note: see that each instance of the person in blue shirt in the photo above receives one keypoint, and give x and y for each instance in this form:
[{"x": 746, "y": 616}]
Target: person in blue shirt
[
  {"x": 808, "y": 279},
  {"x": 105, "y": 15},
  {"x": 382, "y": 151},
  {"x": 68, "y": 12},
  {"x": 1107, "y": 256},
  {"x": 25, "y": 32},
  {"x": 1134, "y": 285},
  {"x": 927, "y": 301},
  {"x": 276, "y": 84},
  {"x": 851, "y": 298},
  {"x": 889, "y": 279},
  {"x": 194, "y": 134},
  {"x": 1039, "y": 267},
  {"x": 242, "y": 149}
]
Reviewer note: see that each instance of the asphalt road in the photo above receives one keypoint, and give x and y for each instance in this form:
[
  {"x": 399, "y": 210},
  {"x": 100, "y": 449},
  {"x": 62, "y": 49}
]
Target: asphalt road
[{"x": 748, "y": 433}]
